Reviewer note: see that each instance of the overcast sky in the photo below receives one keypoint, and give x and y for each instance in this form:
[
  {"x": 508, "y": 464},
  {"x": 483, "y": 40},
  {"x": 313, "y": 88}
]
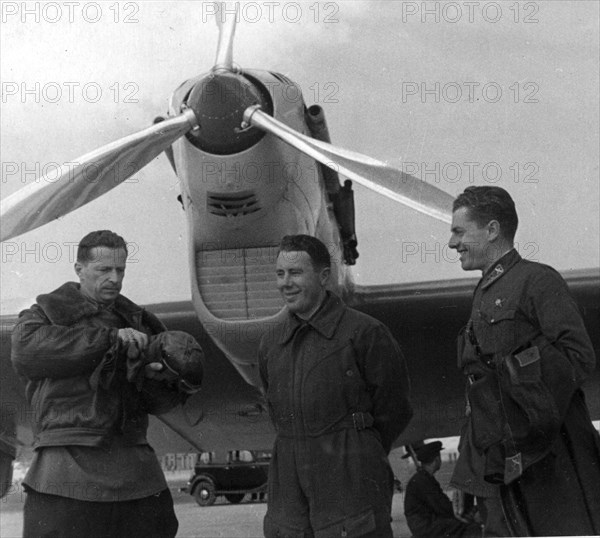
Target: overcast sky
[{"x": 502, "y": 93}]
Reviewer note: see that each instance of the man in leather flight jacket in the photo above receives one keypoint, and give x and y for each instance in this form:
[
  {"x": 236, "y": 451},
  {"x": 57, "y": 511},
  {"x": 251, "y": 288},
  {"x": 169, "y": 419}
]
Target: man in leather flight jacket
[
  {"x": 337, "y": 388},
  {"x": 84, "y": 352},
  {"x": 526, "y": 353}
]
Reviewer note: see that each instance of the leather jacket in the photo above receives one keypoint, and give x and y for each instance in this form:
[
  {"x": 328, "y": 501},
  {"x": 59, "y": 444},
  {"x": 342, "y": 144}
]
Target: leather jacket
[{"x": 61, "y": 348}]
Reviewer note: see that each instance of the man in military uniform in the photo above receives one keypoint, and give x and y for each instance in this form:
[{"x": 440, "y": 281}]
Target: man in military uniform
[
  {"x": 526, "y": 353},
  {"x": 337, "y": 388},
  {"x": 427, "y": 508}
]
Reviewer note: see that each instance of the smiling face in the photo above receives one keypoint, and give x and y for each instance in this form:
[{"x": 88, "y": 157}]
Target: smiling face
[
  {"x": 300, "y": 284},
  {"x": 476, "y": 245},
  {"x": 101, "y": 276}
]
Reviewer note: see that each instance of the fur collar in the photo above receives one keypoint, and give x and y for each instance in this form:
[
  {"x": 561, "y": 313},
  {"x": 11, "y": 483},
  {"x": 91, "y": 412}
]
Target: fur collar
[{"x": 67, "y": 305}]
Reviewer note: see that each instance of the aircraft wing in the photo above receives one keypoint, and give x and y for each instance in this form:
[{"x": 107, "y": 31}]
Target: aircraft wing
[{"x": 230, "y": 414}]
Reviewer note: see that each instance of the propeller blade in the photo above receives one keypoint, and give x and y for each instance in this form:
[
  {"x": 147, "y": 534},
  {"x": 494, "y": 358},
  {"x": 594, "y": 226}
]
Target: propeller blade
[
  {"x": 226, "y": 24},
  {"x": 369, "y": 172},
  {"x": 76, "y": 183}
]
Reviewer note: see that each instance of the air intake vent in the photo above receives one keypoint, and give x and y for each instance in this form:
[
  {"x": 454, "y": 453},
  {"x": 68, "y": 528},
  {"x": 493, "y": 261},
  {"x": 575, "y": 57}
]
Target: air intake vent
[
  {"x": 239, "y": 284},
  {"x": 232, "y": 204}
]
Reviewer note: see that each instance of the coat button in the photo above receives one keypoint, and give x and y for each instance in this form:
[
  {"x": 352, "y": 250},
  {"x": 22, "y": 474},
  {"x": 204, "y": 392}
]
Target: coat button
[{"x": 349, "y": 373}]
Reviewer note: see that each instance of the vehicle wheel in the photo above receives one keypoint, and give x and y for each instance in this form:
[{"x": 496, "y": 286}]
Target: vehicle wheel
[
  {"x": 235, "y": 498},
  {"x": 204, "y": 492}
]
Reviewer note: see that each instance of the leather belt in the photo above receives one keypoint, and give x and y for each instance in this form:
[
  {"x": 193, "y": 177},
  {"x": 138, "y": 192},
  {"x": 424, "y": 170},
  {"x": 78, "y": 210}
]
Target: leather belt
[{"x": 358, "y": 421}]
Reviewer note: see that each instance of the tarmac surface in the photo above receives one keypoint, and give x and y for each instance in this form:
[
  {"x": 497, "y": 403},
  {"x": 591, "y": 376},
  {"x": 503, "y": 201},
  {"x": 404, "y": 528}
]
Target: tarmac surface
[{"x": 223, "y": 519}]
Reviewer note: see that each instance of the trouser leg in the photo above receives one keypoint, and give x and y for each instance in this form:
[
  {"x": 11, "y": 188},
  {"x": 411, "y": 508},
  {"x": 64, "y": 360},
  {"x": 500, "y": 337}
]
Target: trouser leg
[
  {"x": 492, "y": 515},
  {"x": 149, "y": 517},
  {"x": 52, "y": 516},
  {"x": 287, "y": 505}
]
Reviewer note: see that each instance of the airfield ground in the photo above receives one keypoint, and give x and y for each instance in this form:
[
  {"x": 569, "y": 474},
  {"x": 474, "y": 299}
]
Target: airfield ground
[{"x": 223, "y": 519}]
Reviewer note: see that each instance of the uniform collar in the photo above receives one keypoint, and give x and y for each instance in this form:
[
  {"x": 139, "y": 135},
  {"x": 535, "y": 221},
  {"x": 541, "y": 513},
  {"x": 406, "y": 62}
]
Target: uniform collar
[
  {"x": 325, "y": 320},
  {"x": 499, "y": 268},
  {"x": 67, "y": 305}
]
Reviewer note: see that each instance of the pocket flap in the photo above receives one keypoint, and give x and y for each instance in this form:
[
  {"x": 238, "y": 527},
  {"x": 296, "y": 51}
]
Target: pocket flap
[
  {"x": 502, "y": 315},
  {"x": 528, "y": 356}
]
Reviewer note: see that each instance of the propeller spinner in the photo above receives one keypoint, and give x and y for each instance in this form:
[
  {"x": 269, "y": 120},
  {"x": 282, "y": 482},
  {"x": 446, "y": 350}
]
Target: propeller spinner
[{"x": 219, "y": 101}]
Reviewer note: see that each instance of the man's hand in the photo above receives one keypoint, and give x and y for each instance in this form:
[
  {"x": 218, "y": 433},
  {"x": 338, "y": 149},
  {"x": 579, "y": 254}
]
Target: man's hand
[{"x": 131, "y": 336}]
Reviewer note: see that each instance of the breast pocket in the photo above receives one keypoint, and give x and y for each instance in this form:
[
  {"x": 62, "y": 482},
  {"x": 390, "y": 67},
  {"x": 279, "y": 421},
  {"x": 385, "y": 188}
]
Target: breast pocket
[{"x": 498, "y": 331}]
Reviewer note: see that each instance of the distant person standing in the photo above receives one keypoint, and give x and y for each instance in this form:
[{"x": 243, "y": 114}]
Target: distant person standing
[
  {"x": 337, "y": 389},
  {"x": 7, "y": 451},
  {"x": 427, "y": 508},
  {"x": 525, "y": 353}
]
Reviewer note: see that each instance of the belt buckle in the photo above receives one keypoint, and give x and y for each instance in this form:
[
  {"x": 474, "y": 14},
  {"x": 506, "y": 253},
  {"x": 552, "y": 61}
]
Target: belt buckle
[{"x": 357, "y": 426}]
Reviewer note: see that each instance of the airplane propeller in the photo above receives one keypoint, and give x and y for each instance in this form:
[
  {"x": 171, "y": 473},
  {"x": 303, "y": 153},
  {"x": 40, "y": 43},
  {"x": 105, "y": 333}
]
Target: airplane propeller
[
  {"x": 76, "y": 183},
  {"x": 224, "y": 59},
  {"x": 211, "y": 123},
  {"x": 388, "y": 181}
]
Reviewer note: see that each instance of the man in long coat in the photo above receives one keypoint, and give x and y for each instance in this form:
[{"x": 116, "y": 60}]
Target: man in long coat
[{"x": 526, "y": 353}]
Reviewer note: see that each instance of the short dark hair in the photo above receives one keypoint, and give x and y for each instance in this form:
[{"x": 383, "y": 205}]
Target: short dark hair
[
  {"x": 490, "y": 203},
  {"x": 315, "y": 248},
  {"x": 99, "y": 238}
]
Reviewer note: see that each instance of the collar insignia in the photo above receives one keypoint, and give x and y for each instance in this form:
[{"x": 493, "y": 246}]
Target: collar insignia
[{"x": 496, "y": 273}]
